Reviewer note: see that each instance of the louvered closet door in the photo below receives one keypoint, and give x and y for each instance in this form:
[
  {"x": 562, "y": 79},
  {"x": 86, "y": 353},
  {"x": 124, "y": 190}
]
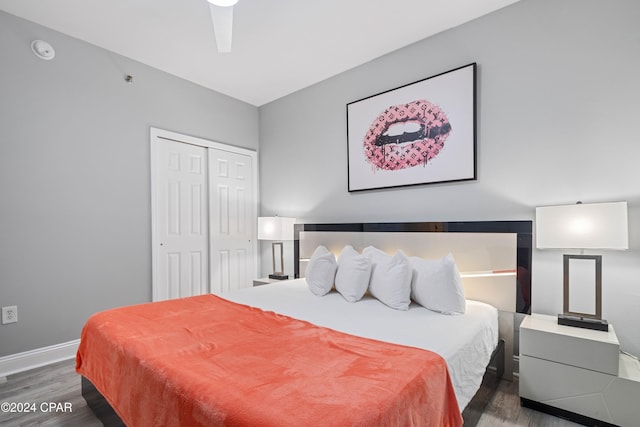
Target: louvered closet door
[
  {"x": 231, "y": 221},
  {"x": 182, "y": 225}
]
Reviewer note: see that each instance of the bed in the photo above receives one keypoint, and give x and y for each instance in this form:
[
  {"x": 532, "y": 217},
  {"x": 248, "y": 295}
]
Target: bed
[{"x": 138, "y": 379}]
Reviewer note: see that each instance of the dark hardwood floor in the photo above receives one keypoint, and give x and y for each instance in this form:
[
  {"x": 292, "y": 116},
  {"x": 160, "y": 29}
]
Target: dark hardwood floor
[
  {"x": 55, "y": 391},
  {"x": 56, "y": 383},
  {"x": 505, "y": 410}
]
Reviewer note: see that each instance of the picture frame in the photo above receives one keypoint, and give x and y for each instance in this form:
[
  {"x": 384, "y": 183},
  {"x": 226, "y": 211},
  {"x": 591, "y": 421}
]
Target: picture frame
[{"x": 420, "y": 133}]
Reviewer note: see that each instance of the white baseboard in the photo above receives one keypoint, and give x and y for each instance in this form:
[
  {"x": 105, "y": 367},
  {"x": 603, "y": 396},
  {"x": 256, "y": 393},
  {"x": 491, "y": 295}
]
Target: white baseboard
[{"x": 26, "y": 360}]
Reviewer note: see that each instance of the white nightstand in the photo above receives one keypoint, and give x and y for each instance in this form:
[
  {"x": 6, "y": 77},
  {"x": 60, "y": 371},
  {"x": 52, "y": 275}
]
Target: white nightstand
[
  {"x": 264, "y": 281},
  {"x": 577, "y": 373}
]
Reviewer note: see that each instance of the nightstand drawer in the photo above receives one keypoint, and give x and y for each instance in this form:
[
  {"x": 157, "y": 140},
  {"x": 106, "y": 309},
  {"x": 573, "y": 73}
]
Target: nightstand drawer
[
  {"x": 566, "y": 387},
  {"x": 542, "y": 337}
]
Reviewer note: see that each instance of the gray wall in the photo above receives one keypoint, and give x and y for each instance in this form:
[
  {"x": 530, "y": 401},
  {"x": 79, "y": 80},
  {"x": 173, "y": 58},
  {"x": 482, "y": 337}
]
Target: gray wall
[
  {"x": 75, "y": 215},
  {"x": 558, "y": 106}
]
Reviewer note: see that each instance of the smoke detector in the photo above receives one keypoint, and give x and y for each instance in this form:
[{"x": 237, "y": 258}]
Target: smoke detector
[{"x": 42, "y": 50}]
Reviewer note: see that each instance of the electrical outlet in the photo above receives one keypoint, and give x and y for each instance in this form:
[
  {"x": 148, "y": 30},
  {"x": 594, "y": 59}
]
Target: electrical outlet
[{"x": 9, "y": 314}]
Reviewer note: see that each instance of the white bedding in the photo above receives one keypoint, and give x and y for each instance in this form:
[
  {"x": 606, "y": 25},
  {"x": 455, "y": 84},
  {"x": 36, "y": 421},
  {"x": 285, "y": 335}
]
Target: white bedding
[{"x": 464, "y": 341}]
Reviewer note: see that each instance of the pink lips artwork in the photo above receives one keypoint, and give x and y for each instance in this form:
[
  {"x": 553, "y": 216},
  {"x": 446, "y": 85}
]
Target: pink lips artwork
[{"x": 406, "y": 135}]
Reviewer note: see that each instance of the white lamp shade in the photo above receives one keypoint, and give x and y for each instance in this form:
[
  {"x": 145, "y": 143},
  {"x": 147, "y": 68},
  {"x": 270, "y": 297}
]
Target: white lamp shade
[
  {"x": 223, "y": 3},
  {"x": 582, "y": 226},
  {"x": 275, "y": 228}
]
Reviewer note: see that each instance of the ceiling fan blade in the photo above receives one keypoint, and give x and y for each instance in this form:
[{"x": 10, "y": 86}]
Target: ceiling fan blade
[{"x": 222, "y": 18}]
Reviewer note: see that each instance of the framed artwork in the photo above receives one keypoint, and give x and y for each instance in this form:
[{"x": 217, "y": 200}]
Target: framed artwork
[{"x": 420, "y": 133}]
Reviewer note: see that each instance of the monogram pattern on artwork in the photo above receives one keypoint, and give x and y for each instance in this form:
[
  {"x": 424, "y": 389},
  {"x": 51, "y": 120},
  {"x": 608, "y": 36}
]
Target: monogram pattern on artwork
[{"x": 406, "y": 135}]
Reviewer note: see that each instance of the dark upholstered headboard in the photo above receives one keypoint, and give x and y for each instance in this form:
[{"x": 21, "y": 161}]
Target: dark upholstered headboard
[{"x": 522, "y": 231}]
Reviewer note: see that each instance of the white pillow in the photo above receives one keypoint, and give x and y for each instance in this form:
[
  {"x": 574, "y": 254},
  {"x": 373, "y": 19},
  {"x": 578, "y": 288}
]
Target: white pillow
[
  {"x": 321, "y": 271},
  {"x": 436, "y": 285},
  {"x": 354, "y": 271},
  {"x": 390, "y": 278}
]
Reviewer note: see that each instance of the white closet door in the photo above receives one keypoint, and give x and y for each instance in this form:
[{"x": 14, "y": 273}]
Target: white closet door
[
  {"x": 204, "y": 210},
  {"x": 231, "y": 220},
  {"x": 181, "y": 220}
]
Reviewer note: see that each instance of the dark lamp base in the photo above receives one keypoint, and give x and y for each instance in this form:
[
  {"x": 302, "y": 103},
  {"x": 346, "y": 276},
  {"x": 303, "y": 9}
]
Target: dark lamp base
[
  {"x": 278, "y": 276},
  {"x": 583, "y": 322}
]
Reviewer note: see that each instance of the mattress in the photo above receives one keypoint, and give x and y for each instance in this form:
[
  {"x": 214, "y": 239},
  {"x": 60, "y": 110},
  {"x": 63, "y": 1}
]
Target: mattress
[{"x": 464, "y": 341}]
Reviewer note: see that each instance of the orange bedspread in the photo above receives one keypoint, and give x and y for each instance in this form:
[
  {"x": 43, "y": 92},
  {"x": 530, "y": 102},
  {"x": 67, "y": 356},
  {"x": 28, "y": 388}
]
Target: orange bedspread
[{"x": 205, "y": 361}]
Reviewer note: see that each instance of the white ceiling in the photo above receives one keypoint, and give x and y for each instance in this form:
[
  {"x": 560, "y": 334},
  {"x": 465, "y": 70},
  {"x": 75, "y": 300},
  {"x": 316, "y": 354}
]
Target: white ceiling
[{"x": 279, "y": 46}]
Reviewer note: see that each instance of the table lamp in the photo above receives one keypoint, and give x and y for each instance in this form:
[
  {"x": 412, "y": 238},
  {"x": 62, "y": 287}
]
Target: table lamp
[
  {"x": 582, "y": 226},
  {"x": 276, "y": 228}
]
